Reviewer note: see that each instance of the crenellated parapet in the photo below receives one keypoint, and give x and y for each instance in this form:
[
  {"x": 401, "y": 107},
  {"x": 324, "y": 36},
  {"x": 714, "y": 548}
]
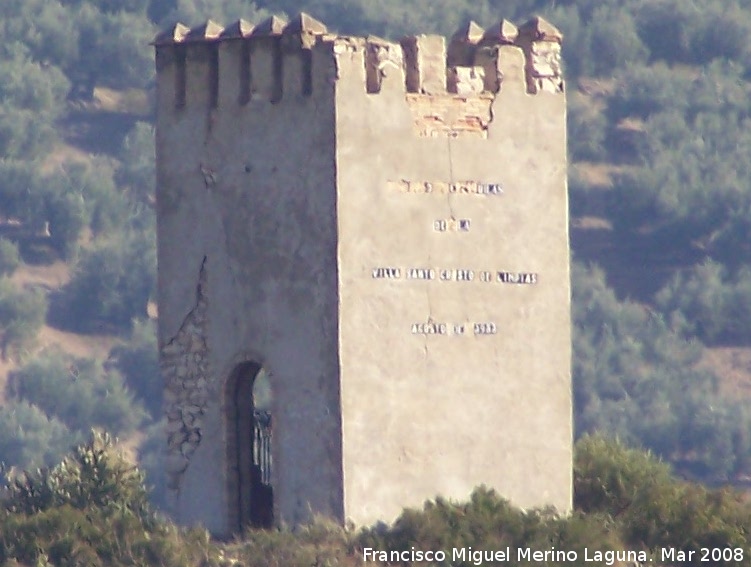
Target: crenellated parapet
[
  {"x": 541, "y": 42},
  {"x": 210, "y": 66}
]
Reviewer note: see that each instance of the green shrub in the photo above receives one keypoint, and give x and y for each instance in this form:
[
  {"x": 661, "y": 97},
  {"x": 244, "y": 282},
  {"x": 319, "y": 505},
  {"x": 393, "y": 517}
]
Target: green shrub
[
  {"x": 691, "y": 177},
  {"x": 137, "y": 169},
  {"x": 25, "y": 134},
  {"x": 31, "y": 86},
  {"x": 70, "y": 537},
  {"x": 321, "y": 542},
  {"x": 46, "y": 29},
  {"x": 489, "y": 522},
  {"x": 586, "y": 129},
  {"x": 23, "y": 193},
  {"x": 114, "y": 48},
  {"x": 693, "y": 32},
  {"x": 608, "y": 476},
  {"x": 91, "y": 509},
  {"x": 614, "y": 40},
  {"x": 636, "y": 379},
  {"x": 22, "y": 314},
  {"x": 138, "y": 361},
  {"x": 112, "y": 282},
  {"x": 29, "y": 438},
  {"x": 75, "y": 197},
  {"x": 82, "y": 196},
  {"x": 77, "y": 392},
  {"x": 708, "y": 303},
  {"x": 642, "y": 90},
  {"x": 67, "y": 216},
  {"x": 652, "y": 508},
  {"x": 92, "y": 475},
  {"x": 9, "y": 257},
  {"x": 151, "y": 453}
]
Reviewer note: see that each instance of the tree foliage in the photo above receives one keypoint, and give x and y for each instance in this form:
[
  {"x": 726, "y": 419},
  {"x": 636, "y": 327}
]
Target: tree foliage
[
  {"x": 151, "y": 460},
  {"x": 29, "y": 438},
  {"x": 113, "y": 282},
  {"x": 138, "y": 361},
  {"x": 707, "y": 302},
  {"x": 91, "y": 509},
  {"x": 137, "y": 170},
  {"x": 22, "y": 313},
  {"x": 674, "y": 76},
  {"x": 60, "y": 206},
  {"x": 587, "y": 130},
  {"x": 651, "y": 507},
  {"x": 636, "y": 379},
  {"x": 9, "y": 257},
  {"x": 78, "y": 392},
  {"x": 624, "y": 499},
  {"x": 93, "y": 475}
]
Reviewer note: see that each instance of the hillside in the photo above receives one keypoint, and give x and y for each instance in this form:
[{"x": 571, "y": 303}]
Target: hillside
[{"x": 660, "y": 192}]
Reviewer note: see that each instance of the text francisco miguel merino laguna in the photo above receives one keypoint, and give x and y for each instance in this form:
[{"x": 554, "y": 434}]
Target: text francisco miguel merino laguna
[{"x": 478, "y": 556}]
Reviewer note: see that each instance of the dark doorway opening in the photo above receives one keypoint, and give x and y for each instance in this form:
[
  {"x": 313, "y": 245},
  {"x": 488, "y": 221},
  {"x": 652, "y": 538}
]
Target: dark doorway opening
[{"x": 249, "y": 434}]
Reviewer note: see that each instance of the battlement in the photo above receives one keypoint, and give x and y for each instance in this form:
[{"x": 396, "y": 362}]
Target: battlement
[{"x": 214, "y": 66}]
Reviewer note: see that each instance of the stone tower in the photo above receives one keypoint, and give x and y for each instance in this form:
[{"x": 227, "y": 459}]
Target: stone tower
[{"x": 379, "y": 231}]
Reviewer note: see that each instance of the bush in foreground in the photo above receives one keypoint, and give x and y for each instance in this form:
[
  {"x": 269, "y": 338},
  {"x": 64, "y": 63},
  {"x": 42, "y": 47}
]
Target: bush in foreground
[
  {"x": 653, "y": 508},
  {"x": 91, "y": 509}
]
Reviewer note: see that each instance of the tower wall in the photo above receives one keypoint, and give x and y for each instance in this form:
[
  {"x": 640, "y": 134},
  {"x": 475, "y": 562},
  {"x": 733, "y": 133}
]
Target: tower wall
[
  {"x": 247, "y": 268},
  {"x": 453, "y": 375}
]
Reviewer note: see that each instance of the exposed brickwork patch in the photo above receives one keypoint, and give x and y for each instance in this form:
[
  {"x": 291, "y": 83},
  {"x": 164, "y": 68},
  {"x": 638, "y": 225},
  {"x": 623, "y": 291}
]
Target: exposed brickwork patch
[{"x": 444, "y": 115}]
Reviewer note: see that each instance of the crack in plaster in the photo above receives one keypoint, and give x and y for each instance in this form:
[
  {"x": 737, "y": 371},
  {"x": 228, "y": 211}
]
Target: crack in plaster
[{"x": 199, "y": 295}]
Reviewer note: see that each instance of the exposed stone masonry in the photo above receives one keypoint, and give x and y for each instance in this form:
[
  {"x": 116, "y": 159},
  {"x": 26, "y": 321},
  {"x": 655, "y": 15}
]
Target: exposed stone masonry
[
  {"x": 541, "y": 43},
  {"x": 381, "y": 59},
  {"x": 544, "y": 68},
  {"x": 184, "y": 363}
]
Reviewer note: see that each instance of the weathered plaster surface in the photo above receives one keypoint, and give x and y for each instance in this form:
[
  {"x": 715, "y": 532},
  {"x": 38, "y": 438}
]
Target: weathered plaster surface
[
  {"x": 248, "y": 193},
  {"x": 429, "y": 415}
]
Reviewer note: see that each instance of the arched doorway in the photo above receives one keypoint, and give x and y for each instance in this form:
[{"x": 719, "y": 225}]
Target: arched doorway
[{"x": 249, "y": 455}]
